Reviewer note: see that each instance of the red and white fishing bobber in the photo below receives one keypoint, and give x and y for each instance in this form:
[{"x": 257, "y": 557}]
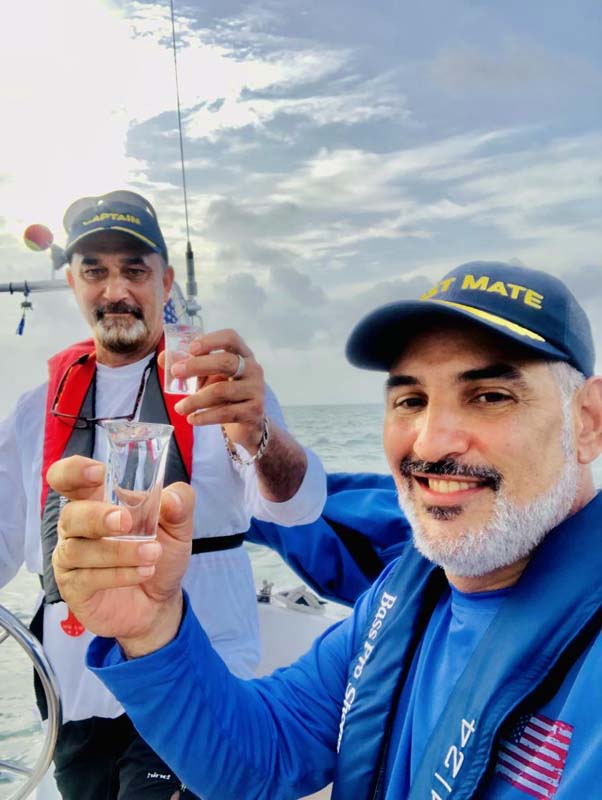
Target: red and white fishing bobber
[{"x": 38, "y": 237}]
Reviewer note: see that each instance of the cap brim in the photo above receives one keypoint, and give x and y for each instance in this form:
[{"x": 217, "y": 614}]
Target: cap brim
[
  {"x": 136, "y": 235},
  {"x": 379, "y": 339}
]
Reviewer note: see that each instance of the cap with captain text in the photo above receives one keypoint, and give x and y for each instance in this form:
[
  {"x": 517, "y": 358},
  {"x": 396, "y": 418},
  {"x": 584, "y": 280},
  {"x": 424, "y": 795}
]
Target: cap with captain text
[
  {"x": 122, "y": 211},
  {"x": 525, "y": 305}
]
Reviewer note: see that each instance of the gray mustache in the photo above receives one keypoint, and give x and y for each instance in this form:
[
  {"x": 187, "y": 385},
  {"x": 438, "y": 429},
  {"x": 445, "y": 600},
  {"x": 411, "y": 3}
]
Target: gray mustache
[
  {"x": 451, "y": 467},
  {"x": 118, "y": 308}
]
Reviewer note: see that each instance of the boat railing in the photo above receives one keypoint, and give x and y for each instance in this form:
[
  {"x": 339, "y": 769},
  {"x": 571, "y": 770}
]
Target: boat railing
[{"x": 10, "y": 626}]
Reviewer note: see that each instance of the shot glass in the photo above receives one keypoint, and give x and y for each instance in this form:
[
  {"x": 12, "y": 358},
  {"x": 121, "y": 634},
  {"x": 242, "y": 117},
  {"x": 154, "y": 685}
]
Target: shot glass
[
  {"x": 136, "y": 458},
  {"x": 178, "y": 337}
]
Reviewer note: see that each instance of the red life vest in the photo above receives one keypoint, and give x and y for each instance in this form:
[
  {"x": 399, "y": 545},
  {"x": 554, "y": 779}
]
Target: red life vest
[
  {"x": 58, "y": 441},
  {"x": 57, "y": 433}
]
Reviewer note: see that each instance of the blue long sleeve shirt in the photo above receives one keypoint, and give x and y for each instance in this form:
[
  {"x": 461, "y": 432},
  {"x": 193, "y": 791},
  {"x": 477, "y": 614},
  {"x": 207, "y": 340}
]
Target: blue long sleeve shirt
[{"x": 276, "y": 737}]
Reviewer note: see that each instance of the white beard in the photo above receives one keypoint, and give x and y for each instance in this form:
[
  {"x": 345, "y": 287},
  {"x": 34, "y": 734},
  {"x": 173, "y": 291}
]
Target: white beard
[
  {"x": 119, "y": 337},
  {"x": 513, "y": 532}
]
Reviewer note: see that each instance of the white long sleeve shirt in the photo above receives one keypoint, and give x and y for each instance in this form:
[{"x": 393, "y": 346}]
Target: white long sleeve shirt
[{"x": 220, "y": 584}]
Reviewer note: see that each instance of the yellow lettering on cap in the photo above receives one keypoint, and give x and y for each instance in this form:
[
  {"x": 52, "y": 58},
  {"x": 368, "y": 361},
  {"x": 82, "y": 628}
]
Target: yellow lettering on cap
[
  {"x": 114, "y": 216},
  {"x": 427, "y": 295},
  {"x": 486, "y": 284},
  {"x": 498, "y": 287},
  {"x": 442, "y": 286},
  {"x": 515, "y": 290},
  {"x": 483, "y": 284},
  {"x": 469, "y": 282},
  {"x": 533, "y": 299}
]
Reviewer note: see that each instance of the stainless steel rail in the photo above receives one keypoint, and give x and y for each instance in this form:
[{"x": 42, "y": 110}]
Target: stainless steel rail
[
  {"x": 10, "y": 626},
  {"x": 28, "y": 287}
]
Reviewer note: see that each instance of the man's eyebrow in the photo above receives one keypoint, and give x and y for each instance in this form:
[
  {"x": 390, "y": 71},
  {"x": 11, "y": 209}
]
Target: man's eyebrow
[
  {"x": 136, "y": 258},
  {"x": 400, "y": 380},
  {"x": 498, "y": 370}
]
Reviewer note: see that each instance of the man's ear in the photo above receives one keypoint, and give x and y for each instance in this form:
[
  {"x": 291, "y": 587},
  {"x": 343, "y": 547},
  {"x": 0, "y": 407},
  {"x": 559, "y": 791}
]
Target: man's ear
[
  {"x": 589, "y": 420},
  {"x": 69, "y": 276},
  {"x": 168, "y": 278}
]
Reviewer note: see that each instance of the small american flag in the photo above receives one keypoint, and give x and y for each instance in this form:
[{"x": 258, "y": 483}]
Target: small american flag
[
  {"x": 169, "y": 312},
  {"x": 533, "y": 756}
]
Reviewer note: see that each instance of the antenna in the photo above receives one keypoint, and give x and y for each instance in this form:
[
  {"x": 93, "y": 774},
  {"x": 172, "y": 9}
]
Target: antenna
[{"x": 192, "y": 306}]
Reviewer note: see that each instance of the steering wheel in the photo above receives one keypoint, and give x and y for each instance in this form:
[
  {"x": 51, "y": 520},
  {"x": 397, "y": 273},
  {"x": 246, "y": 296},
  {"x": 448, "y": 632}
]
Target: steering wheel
[{"x": 10, "y": 626}]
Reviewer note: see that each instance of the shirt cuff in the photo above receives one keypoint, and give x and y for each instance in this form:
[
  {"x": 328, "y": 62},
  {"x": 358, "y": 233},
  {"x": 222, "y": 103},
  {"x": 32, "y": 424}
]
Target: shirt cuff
[
  {"x": 305, "y": 505},
  {"x": 106, "y": 659}
]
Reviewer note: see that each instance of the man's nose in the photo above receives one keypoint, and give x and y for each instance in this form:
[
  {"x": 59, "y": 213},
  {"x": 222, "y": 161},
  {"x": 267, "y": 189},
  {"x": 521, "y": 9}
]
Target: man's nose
[
  {"x": 441, "y": 433},
  {"x": 115, "y": 288}
]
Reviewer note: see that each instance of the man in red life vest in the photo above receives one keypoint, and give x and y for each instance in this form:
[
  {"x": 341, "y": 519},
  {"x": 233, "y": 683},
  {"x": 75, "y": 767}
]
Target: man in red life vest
[{"x": 230, "y": 444}]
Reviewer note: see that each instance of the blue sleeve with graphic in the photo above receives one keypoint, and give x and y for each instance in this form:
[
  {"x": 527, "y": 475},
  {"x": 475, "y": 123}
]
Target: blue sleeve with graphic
[{"x": 556, "y": 751}]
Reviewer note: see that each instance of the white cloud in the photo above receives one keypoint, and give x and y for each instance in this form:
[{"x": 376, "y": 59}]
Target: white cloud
[
  {"x": 65, "y": 106},
  {"x": 514, "y": 64},
  {"x": 224, "y": 89},
  {"x": 361, "y": 179},
  {"x": 311, "y": 192}
]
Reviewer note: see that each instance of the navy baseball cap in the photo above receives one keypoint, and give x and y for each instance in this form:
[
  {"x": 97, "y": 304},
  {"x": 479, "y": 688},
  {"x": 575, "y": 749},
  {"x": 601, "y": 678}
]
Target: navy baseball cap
[
  {"x": 528, "y": 306},
  {"x": 122, "y": 211}
]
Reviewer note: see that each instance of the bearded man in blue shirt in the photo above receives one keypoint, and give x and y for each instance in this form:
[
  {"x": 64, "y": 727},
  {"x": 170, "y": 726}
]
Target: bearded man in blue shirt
[{"x": 471, "y": 668}]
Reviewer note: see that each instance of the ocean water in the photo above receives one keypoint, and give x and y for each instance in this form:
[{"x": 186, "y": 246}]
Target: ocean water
[{"x": 347, "y": 439}]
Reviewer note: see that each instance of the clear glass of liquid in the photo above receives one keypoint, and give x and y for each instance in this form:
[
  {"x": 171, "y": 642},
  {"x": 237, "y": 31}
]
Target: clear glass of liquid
[
  {"x": 178, "y": 337},
  {"x": 136, "y": 459}
]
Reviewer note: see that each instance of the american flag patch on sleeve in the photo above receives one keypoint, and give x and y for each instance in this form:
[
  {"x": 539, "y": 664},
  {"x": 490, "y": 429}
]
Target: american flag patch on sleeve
[{"x": 533, "y": 755}]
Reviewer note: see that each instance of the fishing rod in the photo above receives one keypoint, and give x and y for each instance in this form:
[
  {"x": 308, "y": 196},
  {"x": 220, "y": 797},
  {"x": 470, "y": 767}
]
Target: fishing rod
[{"x": 191, "y": 305}]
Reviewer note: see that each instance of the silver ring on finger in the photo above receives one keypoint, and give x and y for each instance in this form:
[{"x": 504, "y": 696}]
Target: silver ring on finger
[{"x": 240, "y": 369}]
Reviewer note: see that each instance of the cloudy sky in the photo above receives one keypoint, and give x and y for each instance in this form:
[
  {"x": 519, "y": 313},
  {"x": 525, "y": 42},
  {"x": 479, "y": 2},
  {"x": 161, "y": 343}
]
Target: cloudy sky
[{"x": 339, "y": 155}]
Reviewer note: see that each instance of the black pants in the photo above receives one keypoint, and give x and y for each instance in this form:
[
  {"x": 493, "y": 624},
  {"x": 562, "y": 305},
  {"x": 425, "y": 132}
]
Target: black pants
[{"x": 106, "y": 759}]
